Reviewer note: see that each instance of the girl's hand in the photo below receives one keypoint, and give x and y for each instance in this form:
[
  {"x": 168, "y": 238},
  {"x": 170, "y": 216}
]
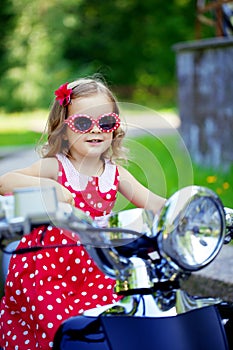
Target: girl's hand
[{"x": 64, "y": 195}]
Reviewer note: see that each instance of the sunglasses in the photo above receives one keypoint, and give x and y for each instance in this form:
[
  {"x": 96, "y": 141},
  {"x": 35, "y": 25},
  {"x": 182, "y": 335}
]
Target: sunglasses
[{"x": 84, "y": 123}]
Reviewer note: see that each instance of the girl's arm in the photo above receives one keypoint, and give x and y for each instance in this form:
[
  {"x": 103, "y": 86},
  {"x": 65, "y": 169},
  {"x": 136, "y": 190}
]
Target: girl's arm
[
  {"x": 42, "y": 173},
  {"x": 138, "y": 194}
]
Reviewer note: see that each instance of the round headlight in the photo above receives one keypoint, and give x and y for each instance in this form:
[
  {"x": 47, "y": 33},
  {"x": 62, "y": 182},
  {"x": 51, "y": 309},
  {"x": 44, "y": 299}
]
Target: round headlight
[{"x": 191, "y": 228}]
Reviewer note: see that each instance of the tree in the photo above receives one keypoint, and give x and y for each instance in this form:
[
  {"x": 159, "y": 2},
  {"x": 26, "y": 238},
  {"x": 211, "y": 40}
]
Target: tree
[{"x": 128, "y": 41}]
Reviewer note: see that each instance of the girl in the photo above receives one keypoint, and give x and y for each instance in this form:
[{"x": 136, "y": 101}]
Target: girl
[{"x": 45, "y": 288}]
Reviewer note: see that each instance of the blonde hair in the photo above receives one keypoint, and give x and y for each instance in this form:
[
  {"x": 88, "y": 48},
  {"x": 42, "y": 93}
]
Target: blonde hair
[{"x": 55, "y": 129}]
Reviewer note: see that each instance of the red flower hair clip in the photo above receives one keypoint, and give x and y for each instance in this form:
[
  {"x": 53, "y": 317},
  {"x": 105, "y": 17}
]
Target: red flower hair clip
[{"x": 63, "y": 94}]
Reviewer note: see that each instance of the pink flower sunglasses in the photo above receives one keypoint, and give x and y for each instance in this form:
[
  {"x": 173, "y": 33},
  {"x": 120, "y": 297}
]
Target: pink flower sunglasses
[{"x": 83, "y": 123}]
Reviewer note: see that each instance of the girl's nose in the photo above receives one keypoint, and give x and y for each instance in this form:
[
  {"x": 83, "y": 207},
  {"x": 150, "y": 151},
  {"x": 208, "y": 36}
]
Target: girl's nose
[{"x": 95, "y": 129}]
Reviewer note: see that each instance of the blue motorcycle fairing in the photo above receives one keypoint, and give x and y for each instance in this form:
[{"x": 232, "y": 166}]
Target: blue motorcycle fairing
[{"x": 199, "y": 329}]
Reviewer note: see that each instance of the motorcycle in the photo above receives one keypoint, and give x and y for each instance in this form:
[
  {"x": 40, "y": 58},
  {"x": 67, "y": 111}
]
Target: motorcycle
[{"x": 148, "y": 257}]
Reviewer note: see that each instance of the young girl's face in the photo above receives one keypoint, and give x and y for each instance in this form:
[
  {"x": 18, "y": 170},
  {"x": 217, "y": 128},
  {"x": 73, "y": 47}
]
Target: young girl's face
[{"x": 95, "y": 142}]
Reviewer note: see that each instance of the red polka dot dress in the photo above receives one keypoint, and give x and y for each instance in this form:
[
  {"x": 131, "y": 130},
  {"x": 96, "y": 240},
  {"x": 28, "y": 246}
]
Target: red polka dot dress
[{"x": 46, "y": 287}]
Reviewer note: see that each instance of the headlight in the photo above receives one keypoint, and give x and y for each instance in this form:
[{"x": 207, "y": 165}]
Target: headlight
[{"x": 191, "y": 228}]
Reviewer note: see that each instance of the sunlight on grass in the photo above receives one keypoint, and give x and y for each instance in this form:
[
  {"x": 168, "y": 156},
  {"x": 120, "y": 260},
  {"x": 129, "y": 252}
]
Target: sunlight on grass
[{"x": 23, "y": 121}]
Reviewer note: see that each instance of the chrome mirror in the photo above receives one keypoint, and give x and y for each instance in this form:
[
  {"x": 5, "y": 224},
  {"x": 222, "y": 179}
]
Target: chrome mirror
[{"x": 191, "y": 228}]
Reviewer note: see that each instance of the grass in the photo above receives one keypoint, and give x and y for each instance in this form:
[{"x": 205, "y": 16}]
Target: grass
[
  {"x": 164, "y": 165},
  {"x": 19, "y": 138}
]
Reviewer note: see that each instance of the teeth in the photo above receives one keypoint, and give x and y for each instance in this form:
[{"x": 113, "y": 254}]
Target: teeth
[{"x": 95, "y": 140}]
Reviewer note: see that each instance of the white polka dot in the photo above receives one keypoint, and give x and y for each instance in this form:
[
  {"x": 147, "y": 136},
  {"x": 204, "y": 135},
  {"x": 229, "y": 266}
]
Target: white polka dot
[
  {"x": 58, "y": 300},
  {"x": 50, "y": 325},
  {"x": 100, "y": 286},
  {"x": 66, "y": 184},
  {"x": 99, "y": 205},
  {"x": 52, "y": 239},
  {"x": 50, "y": 307},
  {"x": 40, "y": 297},
  {"x": 43, "y": 335},
  {"x": 41, "y": 316},
  {"x": 18, "y": 292},
  {"x": 64, "y": 241},
  {"x": 94, "y": 296},
  {"x": 108, "y": 196},
  {"x": 61, "y": 259},
  {"x": 84, "y": 293},
  {"x": 88, "y": 196},
  {"x": 82, "y": 205},
  {"x": 77, "y": 261},
  {"x": 59, "y": 317},
  {"x": 39, "y": 256}
]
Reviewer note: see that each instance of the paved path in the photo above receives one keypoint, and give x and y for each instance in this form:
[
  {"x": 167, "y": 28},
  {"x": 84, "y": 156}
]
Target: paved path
[{"x": 222, "y": 267}]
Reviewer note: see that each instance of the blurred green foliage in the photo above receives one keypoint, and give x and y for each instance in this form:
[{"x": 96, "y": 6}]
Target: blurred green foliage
[{"x": 129, "y": 42}]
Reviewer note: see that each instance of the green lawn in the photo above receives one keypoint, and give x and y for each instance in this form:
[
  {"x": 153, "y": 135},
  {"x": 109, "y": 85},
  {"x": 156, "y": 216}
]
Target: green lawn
[
  {"x": 18, "y": 138},
  {"x": 164, "y": 165}
]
